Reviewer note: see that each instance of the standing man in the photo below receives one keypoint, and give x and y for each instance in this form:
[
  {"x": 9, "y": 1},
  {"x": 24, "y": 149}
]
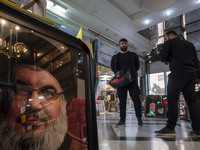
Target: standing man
[
  {"x": 183, "y": 63},
  {"x": 121, "y": 62}
]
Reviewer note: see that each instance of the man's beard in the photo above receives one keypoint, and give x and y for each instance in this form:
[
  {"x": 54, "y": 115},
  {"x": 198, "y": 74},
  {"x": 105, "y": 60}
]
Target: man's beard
[
  {"x": 50, "y": 140},
  {"x": 123, "y": 48}
]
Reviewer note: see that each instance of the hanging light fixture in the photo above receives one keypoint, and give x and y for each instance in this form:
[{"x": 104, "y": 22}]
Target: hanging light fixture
[{"x": 21, "y": 49}]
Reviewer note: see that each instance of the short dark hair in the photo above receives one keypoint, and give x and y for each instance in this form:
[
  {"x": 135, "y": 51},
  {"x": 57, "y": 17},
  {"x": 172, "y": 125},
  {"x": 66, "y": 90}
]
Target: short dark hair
[
  {"x": 124, "y": 40},
  {"x": 171, "y": 32}
]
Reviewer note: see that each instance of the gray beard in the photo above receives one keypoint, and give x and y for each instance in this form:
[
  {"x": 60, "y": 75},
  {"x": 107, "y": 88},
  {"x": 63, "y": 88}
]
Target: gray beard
[{"x": 50, "y": 140}]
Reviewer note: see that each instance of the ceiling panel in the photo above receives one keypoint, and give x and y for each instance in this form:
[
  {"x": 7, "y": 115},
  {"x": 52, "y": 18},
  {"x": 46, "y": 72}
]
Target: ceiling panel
[
  {"x": 124, "y": 18},
  {"x": 130, "y": 7}
]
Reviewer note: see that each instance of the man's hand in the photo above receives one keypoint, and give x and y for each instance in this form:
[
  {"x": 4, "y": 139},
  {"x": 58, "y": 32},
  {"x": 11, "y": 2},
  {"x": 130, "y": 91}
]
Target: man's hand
[{"x": 166, "y": 63}]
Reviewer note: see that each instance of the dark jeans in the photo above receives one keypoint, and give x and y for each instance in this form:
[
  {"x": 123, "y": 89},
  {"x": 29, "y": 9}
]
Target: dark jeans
[
  {"x": 134, "y": 93},
  {"x": 185, "y": 82}
]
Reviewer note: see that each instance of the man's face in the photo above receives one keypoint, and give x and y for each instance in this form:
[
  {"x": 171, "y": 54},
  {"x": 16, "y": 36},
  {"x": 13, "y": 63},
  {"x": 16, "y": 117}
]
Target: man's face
[
  {"x": 169, "y": 37},
  {"x": 37, "y": 102},
  {"x": 37, "y": 113},
  {"x": 123, "y": 45},
  {"x": 166, "y": 38}
]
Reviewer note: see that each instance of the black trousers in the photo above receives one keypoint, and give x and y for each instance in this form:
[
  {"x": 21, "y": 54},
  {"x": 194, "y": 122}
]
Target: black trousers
[
  {"x": 185, "y": 82},
  {"x": 134, "y": 93}
]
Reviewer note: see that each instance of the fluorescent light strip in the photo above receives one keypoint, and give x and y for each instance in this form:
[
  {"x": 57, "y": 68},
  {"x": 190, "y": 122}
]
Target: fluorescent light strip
[
  {"x": 55, "y": 7},
  {"x": 59, "y": 8},
  {"x": 50, "y": 4}
]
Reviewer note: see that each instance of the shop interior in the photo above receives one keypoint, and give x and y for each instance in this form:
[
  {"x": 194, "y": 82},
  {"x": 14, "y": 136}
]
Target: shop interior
[
  {"x": 153, "y": 105},
  {"x": 107, "y": 100}
]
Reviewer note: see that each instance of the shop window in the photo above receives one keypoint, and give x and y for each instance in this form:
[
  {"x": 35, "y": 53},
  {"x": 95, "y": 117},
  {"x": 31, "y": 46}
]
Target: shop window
[{"x": 156, "y": 84}]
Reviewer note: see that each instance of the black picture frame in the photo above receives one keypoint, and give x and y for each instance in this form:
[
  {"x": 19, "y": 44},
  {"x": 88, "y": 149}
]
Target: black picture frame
[
  {"x": 42, "y": 26},
  {"x": 161, "y": 111}
]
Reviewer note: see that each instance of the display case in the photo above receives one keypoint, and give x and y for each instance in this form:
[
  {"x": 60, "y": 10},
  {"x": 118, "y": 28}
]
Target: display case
[{"x": 46, "y": 85}]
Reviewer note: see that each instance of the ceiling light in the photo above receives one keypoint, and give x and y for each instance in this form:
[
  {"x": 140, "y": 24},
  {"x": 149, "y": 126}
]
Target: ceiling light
[
  {"x": 62, "y": 26},
  {"x": 17, "y": 28},
  {"x": 168, "y": 13},
  {"x": 3, "y": 21},
  {"x": 50, "y": 4},
  {"x": 59, "y": 8},
  {"x": 146, "y": 21},
  {"x": 198, "y": 1}
]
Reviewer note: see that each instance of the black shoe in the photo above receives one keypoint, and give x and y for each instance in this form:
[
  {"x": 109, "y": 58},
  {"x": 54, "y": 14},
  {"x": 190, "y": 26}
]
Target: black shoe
[
  {"x": 140, "y": 123},
  {"x": 120, "y": 124},
  {"x": 166, "y": 132},
  {"x": 195, "y": 134}
]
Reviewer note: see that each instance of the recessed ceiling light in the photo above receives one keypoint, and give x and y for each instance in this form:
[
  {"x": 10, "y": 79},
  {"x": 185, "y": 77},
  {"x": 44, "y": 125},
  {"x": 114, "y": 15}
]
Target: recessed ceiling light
[
  {"x": 146, "y": 21},
  {"x": 168, "y": 13}
]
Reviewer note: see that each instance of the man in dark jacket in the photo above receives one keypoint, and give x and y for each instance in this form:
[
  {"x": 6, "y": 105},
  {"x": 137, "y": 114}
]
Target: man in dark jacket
[
  {"x": 183, "y": 63},
  {"x": 121, "y": 62}
]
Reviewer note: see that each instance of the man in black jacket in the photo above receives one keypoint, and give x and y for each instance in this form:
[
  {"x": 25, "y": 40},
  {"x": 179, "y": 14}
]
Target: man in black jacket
[
  {"x": 183, "y": 63},
  {"x": 121, "y": 62}
]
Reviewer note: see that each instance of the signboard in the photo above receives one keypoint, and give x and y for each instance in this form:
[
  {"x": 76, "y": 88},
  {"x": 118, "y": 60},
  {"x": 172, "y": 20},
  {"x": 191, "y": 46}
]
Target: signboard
[{"x": 104, "y": 55}]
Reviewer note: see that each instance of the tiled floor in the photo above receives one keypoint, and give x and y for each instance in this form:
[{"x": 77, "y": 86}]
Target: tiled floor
[{"x": 132, "y": 137}]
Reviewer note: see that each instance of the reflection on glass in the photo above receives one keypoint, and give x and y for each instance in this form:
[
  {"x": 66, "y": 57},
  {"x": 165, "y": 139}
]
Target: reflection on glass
[
  {"x": 156, "y": 84},
  {"x": 39, "y": 91},
  {"x": 40, "y": 118},
  {"x": 21, "y": 49}
]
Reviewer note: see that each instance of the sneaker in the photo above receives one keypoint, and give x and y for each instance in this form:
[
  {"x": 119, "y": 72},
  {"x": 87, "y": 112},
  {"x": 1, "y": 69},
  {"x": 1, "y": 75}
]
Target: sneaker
[
  {"x": 140, "y": 122},
  {"x": 166, "y": 132},
  {"x": 120, "y": 124},
  {"x": 195, "y": 134}
]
